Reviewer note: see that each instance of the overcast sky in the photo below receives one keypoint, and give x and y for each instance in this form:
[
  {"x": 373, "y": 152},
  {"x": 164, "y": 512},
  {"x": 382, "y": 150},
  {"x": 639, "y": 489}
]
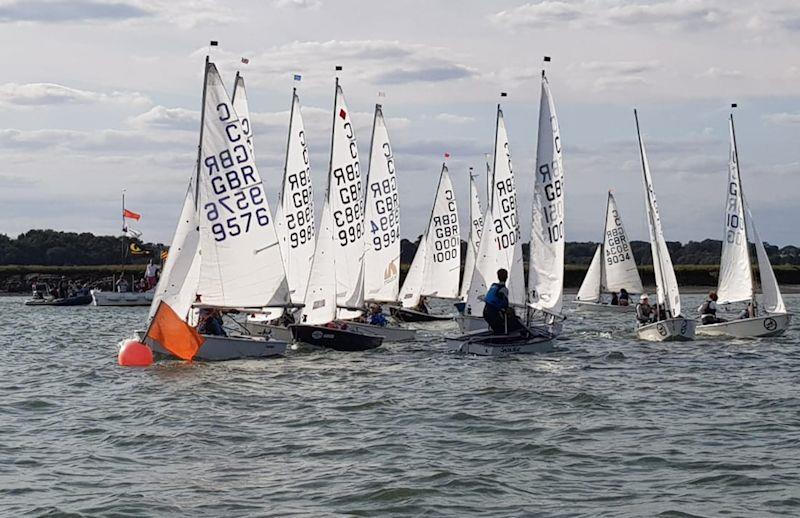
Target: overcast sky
[{"x": 99, "y": 96}]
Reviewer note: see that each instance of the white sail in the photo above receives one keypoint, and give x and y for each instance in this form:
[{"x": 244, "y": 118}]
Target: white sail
[
  {"x": 412, "y": 285},
  {"x": 772, "y": 301},
  {"x": 320, "y": 297},
  {"x": 500, "y": 245},
  {"x": 590, "y": 287},
  {"x": 242, "y": 109},
  {"x": 346, "y": 201},
  {"x": 382, "y": 255},
  {"x": 619, "y": 265},
  {"x": 294, "y": 218},
  {"x": 666, "y": 283},
  {"x": 546, "y": 265},
  {"x": 474, "y": 238},
  {"x": 241, "y": 263},
  {"x": 177, "y": 285},
  {"x": 735, "y": 274},
  {"x": 443, "y": 244}
]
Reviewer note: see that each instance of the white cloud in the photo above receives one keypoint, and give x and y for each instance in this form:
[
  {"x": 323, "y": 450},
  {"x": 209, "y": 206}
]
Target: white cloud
[
  {"x": 59, "y": 11},
  {"x": 161, "y": 117},
  {"x": 49, "y": 94},
  {"x": 721, "y": 73},
  {"x": 783, "y": 118},
  {"x": 451, "y": 118},
  {"x": 298, "y": 4}
]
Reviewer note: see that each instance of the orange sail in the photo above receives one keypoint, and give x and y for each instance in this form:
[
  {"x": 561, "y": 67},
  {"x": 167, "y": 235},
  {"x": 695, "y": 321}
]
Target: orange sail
[{"x": 173, "y": 334}]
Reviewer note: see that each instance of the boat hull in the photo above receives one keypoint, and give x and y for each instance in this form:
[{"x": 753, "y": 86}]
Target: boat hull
[
  {"x": 115, "y": 298},
  {"x": 678, "y": 329},
  {"x": 222, "y": 348},
  {"x": 469, "y": 323},
  {"x": 81, "y": 300},
  {"x": 484, "y": 343},
  {"x": 264, "y": 328},
  {"x": 759, "y": 327},
  {"x": 410, "y": 315},
  {"x": 336, "y": 339},
  {"x": 598, "y": 307},
  {"x": 388, "y": 333}
]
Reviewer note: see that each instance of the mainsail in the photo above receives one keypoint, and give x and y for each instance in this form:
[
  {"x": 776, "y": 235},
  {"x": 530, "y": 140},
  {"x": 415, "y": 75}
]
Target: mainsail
[
  {"x": 382, "y": 255},
  {"x": 546, "y": 265},
  {"x": 242, "y": 109},
  {"x": 666, "y": 283},
  {"x": 294, "y": 218},
  {"x": 500, "y": 245},
  {"x": 435, "y": 268},
  {"x": 474, "y": 238},
  {"x": 241, "y": 263},
  {"x": 345, "y": 199},
  {"x": 320, "y": 297}
]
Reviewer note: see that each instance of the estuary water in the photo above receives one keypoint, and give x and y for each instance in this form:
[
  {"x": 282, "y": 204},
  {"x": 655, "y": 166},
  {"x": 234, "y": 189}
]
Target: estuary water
[{"x": 608, "y": 426}]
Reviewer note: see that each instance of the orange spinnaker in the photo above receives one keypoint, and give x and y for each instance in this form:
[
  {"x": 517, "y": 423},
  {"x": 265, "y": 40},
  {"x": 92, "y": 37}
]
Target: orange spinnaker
[{"x": 173, "y": 334}]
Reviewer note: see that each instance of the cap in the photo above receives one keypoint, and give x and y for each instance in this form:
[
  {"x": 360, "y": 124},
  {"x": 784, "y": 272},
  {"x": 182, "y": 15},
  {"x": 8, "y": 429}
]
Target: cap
[{"x": 643, "y": 297}]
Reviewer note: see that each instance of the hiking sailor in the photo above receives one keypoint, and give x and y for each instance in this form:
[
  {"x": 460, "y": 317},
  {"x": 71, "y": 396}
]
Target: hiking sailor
[
  {"x": 644, "y": 311},
  {"x": 708, "y": 310},
  {"x": 496, "y": 311}
]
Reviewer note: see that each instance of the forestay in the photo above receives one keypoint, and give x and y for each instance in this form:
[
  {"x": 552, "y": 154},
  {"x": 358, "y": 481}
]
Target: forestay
[
  {"x": 474, "y": 238},
  {"x": 177, "y": 285},
  {"x": 382, "y": 255},
  {"x": 500, "y": 245},
  {"x": 294, "y": 219},
  {"x": 590, "y": 287},
  {"x": 320, "y": 298},
  {"x": 546, "y": 266},
  {"x": 666, "y": 283},
  {"x": 241, "y": 263},
  {"x": 619, "y": 265},
  {"x": 346, "y": 202}
]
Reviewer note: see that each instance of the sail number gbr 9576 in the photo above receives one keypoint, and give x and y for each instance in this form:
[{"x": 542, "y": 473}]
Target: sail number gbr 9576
[{"x": 235, "y": 200}]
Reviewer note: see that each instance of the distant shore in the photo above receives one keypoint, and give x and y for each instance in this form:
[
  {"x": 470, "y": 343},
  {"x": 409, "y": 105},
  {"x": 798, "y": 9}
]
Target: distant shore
[{"x": 693, "y": 278}]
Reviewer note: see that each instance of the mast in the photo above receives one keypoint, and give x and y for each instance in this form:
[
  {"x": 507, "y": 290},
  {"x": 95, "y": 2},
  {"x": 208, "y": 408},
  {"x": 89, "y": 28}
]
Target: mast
[
  {"x": 288, "y": 141},
  {"x": 651, "y": 221},
  {"x": 200, "y": 143},
  {"x": 378, "y": 108},
  {"x": 235, "y": 82},
  {"x": 494, "y": 159},
  {"x": 744, "y": 222}
]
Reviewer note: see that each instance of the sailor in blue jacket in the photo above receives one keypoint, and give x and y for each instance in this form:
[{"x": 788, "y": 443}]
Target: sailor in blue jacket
[{"x": 496, "y": 311}]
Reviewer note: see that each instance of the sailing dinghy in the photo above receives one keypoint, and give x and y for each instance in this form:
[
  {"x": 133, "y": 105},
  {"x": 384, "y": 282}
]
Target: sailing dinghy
[
  {"x": 612, "y": 269},
  {"x": 674, "y": 327},
  {"x": 335, "y": 290},
  {"x": 294, "y": 224},
  {"x": 435, "y": 269},
  {"x": 225, "y": 252},
  {"x": 546, "y": 272},
  {"x": 736, "y": 282}
]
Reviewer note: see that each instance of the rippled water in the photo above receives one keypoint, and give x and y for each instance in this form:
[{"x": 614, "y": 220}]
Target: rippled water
[{"x": 608, "y": 427}]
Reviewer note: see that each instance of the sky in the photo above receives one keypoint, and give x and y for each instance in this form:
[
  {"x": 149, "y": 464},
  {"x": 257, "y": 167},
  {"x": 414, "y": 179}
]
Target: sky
[{"x": 99, "y": 96}]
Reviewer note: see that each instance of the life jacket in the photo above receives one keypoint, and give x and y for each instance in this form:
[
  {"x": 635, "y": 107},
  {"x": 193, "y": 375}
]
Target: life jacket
[
  {"x": 495, "y": 296},
  {"x": 706, "y": 309}
]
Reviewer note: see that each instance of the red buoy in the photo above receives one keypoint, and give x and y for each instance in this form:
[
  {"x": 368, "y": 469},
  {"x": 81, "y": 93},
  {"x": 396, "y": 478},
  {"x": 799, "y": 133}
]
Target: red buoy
[{"x": 135, "y": 354}]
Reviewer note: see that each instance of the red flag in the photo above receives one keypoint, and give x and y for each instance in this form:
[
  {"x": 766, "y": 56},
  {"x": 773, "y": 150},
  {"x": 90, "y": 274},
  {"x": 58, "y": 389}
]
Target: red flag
[
  {"x": 245, "y": 61},
  {"x": 342, "y": 113},
  {"x": 173, "y": 334},
  {"x": 447, "y": 155},
  {"x": 130, "y": 214}
]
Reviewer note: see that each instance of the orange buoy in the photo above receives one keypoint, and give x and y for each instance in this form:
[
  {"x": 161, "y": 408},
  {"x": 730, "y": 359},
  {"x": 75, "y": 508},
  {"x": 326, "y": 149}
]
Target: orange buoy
[{"x": 135, "y": 354}]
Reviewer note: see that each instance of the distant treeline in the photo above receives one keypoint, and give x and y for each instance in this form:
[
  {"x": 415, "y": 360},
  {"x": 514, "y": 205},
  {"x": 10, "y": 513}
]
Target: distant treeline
[{"x": 54, "y": 248}]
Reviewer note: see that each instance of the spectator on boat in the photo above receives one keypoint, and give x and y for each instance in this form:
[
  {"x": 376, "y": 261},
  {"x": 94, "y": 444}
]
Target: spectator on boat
[
  {"x": 708, "y": 310},
  {"x": 644, "y": 311},
  {"x": 376, "y": 316},
  {"x": 496, "y": 311},
  {"x": 624, "y": 298},
  {"x": 150, "y": 275},
  {"x": 614, "y": 299},
  {"x": 63, "y": 288},
  {"x": 210, "y": 322},
  {"x": 122, "y": 285}
]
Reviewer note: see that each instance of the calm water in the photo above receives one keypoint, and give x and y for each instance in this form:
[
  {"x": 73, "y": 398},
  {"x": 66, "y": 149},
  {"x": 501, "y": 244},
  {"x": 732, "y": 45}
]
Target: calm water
[{"x": 608, "y": 427}]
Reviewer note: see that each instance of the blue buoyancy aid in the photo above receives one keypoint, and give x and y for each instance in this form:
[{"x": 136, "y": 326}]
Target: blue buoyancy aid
[{"x": 497, "y": 296}]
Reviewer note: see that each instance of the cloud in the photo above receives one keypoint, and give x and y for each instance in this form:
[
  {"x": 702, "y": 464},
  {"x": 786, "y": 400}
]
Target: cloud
[
  {"x": 783, "y": 118},
  {"x": 610, "y": 75},
  {"x": 721, "y": 73},
  {"x": 430, "y": 74},
  {"x": 49, "y": 94},
  {"x": 161, "y": 117},
  {"x": 55, "y": 11},
  {"x": 298, "y": 4},
  {"x": 451, "y": 118}
]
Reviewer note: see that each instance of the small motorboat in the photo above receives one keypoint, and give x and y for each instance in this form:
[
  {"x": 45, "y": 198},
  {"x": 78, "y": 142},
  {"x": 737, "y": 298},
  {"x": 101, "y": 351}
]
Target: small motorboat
[
  {"x": 122, "y": 298},
  {"x": 486, "y": 343},
  {"x": 412, "y": 315},
  {"x": 76, "y": 300},
  {"x": 334, "y": 338}
]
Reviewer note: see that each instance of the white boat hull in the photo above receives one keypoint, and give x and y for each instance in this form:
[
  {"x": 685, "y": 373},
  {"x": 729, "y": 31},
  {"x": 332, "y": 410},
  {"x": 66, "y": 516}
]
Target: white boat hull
[
  {"x": 470, "y": 323},
  {"x": 678, "y": 329},
  {"x": 764, "y": 326},
  {"x": 598, "y": 307},
  {"x": 265, "y": 329},
  {"x": 127, "y": 298},
  {"x": 220, "y": 348},
  {"x": 389, "y": 333}
]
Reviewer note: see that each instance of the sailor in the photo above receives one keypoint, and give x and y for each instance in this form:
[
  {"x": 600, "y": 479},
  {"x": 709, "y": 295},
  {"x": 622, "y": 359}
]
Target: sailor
[
  {"x": 624, "y": 298},
  {"x": 376, "y": 316},
  {"x": 210, "y": 322},
  {"x": 644, "y": 311},
  {"x": 422, "y": 305},
  {"x": 122, "y": 285},
  {"x": 496, "y": 311},
  {"x": 614, "y": 299},
  {"x": 747, "y": 312},
  {"x": 708, "y": 310}
]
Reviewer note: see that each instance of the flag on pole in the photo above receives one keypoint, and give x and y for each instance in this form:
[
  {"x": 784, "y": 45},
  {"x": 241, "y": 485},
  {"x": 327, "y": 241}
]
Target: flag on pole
[
  {"x": 298, "y": 77},
  {"x": 447, "y": 155},
  {"x": 131, "y": 232},
  {"x": 131, "y": 215},
  {"x": 173, "y": 334},
  {"x": 213, "y": 43},
  {"x": 245, "y": 61}
]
